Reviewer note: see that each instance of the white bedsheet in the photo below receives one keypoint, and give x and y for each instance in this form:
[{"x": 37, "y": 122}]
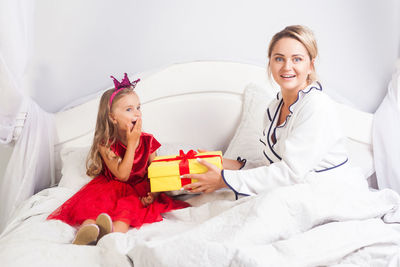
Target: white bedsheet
[
  {"x": 29, "y": 240},
  {"x": 330, "y": 222}
]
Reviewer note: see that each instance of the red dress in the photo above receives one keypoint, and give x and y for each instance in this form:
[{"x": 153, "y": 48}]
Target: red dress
[{"x": 120, "y": 200}]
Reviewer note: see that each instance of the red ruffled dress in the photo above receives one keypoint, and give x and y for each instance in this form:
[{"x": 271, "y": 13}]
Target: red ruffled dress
[{"x": 120, "y": 200}]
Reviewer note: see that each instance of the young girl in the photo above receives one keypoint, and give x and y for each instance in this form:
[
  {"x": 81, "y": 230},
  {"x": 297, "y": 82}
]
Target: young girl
[{"x": 118, "y": 196}]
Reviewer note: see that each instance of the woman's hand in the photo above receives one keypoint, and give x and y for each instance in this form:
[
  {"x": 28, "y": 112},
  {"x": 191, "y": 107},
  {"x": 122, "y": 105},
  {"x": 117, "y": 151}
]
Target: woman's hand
[
  {"x": 133, "y": 134},
  {"x": 206, "y": 182}
]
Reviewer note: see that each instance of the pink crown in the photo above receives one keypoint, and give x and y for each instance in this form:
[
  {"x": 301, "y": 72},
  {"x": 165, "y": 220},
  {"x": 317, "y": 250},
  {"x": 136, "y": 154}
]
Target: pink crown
[{"x": 125, "y": 83}]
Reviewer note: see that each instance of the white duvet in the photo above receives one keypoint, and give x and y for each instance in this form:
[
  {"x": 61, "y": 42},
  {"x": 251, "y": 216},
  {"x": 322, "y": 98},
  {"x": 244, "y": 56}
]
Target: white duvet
[{"x": 326, "y": 222}]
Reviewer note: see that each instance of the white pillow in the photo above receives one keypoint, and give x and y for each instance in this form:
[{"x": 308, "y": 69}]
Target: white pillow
[
  {"x": 73, "y": 171},
  {"x": 245, "y": 143},
  {"x": 360, "y": 155}
]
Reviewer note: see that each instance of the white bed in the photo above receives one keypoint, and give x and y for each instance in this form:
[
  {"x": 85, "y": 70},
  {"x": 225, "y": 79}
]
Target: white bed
[{"x": 215, "y": 106}]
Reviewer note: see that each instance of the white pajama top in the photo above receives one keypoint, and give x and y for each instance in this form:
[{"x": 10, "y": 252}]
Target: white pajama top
[{"x": 309, "y": 141}]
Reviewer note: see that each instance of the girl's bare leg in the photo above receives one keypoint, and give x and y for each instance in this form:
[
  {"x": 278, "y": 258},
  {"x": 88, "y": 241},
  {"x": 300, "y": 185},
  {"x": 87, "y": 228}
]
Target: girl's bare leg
[{"x": 120, "y": 226}]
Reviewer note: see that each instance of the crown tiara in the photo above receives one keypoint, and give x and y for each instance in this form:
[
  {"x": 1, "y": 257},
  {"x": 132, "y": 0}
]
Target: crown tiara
[{"x": 125, "y": 83}]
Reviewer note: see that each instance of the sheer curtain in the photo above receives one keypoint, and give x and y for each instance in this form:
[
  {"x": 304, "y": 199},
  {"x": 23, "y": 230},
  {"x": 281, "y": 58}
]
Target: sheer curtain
[
  {"x": 23, "y": 124},
  {"x": 386, "y": 136}
]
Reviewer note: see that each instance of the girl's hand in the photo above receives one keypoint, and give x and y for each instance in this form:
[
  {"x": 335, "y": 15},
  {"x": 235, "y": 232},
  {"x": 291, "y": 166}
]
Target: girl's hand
[
  {"x": 147, "y": 200},
  {"x": 133, "y": 134},
  {"x": 207, "y": 182}
]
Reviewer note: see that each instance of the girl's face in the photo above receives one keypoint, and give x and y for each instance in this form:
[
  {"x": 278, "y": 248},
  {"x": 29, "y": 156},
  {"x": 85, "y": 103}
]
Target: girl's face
[
  {"x": 290, "y": 64},
  {"x": 126, "y": 111}
]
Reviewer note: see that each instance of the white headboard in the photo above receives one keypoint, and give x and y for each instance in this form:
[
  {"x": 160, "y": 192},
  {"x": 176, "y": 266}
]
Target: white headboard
[
  {"x": 187, "y": 92},
  {"x": 196, "y": 103}
]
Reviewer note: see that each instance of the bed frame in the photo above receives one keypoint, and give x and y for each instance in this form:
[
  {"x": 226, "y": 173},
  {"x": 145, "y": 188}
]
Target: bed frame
[{"x": 200, "y": 103}]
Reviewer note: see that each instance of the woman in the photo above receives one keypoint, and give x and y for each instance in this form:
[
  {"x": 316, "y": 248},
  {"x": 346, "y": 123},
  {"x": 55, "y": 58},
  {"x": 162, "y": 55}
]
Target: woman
[{"x": 302, "y": 139}]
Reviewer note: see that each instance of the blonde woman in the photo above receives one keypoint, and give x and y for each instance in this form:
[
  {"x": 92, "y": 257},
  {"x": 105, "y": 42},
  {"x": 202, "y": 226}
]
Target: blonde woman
[{"x": 303, "y": 138}]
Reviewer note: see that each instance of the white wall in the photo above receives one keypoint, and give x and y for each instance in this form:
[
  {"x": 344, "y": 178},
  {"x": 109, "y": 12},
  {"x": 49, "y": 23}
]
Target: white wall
[{"x": 78, "y": 44}]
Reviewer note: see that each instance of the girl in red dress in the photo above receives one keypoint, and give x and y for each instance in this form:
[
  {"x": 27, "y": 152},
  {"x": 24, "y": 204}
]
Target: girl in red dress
[{"x": 119, "y": 195}]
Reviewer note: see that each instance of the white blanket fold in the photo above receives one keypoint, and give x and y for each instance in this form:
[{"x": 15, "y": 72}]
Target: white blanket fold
[
  {"x": 312, "y": 224},
  {"x": 329, "y": 222}
]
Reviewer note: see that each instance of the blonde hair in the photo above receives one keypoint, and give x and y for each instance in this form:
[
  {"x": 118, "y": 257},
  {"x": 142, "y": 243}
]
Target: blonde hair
[
  {"x": 302, "y": 34},
  {"x": 105, "y": 133}
]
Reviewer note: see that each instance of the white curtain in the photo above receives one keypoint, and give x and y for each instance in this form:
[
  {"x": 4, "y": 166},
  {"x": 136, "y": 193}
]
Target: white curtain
[
  {"x": 23, "y": 123},
  {"x": 14, "y": 49},
  {"x": 386, "y": 136}
]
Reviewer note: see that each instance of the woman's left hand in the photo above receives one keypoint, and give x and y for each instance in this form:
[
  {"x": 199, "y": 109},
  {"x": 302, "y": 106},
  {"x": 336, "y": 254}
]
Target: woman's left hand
[{"x": 206, "y": 182}]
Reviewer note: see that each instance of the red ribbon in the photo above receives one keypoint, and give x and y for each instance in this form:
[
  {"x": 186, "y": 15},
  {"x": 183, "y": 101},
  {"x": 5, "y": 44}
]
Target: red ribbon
[{"x": 184, "y": 163}]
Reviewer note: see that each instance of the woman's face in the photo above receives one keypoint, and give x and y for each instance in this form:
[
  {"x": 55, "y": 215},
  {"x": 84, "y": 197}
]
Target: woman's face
[{"x": 290, "y": 64}]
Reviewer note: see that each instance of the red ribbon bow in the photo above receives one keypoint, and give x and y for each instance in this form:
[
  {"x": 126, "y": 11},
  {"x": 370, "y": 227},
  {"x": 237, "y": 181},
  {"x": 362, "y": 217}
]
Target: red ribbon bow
[{"x": 184, "y": 163}]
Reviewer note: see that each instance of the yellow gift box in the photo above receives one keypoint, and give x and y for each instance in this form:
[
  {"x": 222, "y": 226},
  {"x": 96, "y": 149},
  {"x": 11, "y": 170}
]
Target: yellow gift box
[{"x": 165, "y": 172}]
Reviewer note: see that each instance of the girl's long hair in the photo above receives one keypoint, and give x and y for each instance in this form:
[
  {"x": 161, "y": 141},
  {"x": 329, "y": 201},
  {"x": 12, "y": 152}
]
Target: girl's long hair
[{"x": 105, "y": 133}]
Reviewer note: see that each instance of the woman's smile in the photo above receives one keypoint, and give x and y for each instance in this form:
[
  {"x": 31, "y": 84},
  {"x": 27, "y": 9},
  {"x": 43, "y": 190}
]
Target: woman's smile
[{"x": 288, "y": 76}]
